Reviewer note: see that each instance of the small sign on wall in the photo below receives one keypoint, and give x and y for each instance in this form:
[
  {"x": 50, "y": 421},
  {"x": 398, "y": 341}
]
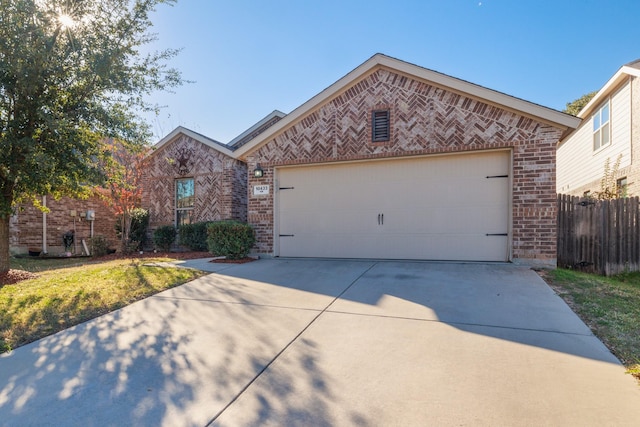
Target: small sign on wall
[{"x": 260, "y": 190}]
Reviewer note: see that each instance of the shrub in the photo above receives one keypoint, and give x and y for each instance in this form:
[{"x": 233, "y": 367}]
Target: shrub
[
  {"x": 99, "y": 246},
  {"x": 139, "y": 225},
  {"x": 164, "y": 237},
  {"x": 194, "y": 236},
  {"x": 232, "y": 239},
  {"x": 138, "y": 231}
]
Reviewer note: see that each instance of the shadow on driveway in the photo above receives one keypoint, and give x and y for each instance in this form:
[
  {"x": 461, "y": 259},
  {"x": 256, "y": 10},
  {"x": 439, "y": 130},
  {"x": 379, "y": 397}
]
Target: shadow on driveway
[{"x": 325, "y": 342}]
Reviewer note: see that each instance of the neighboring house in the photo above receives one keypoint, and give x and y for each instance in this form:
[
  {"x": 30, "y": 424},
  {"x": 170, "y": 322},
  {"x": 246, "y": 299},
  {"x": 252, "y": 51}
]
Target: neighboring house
[{"x": 610, "y": 129}]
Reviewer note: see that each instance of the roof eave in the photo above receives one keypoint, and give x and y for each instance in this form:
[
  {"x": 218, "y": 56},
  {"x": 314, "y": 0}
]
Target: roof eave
[
  {"x": 623, "y": 73},
  {"x": 194, "y": 135},
  {"x": 557, "y": 118}
]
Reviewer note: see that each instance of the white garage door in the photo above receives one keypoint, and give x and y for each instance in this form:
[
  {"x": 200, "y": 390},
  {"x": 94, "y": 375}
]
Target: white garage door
[{"x": 453, "y": 207}]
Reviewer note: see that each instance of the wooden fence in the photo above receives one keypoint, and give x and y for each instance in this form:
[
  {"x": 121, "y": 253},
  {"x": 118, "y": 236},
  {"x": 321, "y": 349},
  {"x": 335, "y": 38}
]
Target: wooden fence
[{"x": 600, "y": 236}]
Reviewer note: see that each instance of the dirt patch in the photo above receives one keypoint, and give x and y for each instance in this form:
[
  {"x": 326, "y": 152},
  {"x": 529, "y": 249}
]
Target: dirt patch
[{"x": 14, "y": 276}]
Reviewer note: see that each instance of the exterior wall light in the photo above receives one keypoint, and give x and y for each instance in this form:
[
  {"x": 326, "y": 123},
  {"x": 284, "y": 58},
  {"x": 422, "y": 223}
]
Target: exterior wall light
[{"x": 258, "y": 172}]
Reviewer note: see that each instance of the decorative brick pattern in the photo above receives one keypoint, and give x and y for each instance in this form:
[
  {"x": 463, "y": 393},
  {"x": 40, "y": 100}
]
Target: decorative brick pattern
[
  {"x": 220, "y": 182},
  {"x": 425, "y": 119}
]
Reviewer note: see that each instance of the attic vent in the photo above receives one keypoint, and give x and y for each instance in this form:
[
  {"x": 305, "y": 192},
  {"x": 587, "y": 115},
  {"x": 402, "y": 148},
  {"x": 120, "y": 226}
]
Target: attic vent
[{"x": 380, "y": 129}]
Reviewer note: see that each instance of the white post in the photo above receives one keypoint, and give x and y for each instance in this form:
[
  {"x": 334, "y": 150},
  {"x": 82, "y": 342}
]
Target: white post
[{"x": 44, "y": 226}]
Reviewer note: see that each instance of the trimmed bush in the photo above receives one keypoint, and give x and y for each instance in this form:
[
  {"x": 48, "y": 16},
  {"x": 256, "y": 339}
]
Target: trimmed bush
[
  {"x": 139, "y": 225},
  {"x": 99, "y": 246},
  {"x": 232, "y": 239},
  {"x": 164, "y": 237},
  {"x": 194, "y": 236}
]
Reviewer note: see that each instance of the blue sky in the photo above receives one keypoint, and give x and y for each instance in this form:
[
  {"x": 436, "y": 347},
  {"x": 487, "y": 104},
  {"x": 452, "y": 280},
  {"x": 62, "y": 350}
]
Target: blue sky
[{"x": 248, "y": 58}]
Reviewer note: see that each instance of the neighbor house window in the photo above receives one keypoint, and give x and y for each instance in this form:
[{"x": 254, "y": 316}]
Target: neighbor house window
[
  {"x": 380, "y": 125},
  {"x": 185, "y": 199},
  {"x": 621, "y": 187},
  {"x": 601, "y": 127}
]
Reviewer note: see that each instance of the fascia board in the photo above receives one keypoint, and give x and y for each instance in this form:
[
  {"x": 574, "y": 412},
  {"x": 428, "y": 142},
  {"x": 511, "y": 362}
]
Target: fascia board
[
  {"x": 275, "y": 113},
  {"x": 498, "y": 98},
  {"x": 539, "y": 112},
  {"x": 312, "y": 103},
  {"x": 193, "y": 135},
  {"x": 613, "y": 82}
]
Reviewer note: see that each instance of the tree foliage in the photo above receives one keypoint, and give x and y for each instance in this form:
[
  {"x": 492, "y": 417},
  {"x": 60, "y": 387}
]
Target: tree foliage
[
  {"x": 72, "y": 72},
  {"x": 575, "y": 106},
  {"x": 122, "y": 166}
]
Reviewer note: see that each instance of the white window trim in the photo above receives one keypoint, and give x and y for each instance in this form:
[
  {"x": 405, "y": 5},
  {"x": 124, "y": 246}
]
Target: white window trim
[
  {"x": 175, "y": 202},
  {"x": 593, "y": 131}
]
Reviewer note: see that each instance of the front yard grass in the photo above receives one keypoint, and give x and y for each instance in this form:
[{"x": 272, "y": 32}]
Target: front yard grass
[
  {"x": 610, "y": 306},
  {"x": 66, "y": 296}
]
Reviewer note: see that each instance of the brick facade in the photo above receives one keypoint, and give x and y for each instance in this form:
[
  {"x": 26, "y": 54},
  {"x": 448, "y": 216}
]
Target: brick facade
[
  {"x": 425, "y": 119},
  {"x": 26, "y": 226},
  {"x": 220, "y": 182}
]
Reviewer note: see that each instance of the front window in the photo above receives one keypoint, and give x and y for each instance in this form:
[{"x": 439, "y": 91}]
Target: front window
[
  {"x": 601, "y": 127},
  {"x": 185, "y": 200}
]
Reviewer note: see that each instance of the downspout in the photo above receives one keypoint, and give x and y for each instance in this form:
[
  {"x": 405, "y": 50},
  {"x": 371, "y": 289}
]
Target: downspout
[{"x": 44, "y": 226}]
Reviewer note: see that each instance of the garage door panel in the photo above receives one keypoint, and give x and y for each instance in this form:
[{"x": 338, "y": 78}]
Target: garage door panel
[
  {"x": 434, "y": 208},
  {"x": 483, "y": 219}
]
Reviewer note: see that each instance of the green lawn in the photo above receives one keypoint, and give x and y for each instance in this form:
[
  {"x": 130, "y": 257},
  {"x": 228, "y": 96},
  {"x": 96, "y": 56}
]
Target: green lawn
[
  {"x": 610, "y": 306},
  {"x": 62, "y": 295}
]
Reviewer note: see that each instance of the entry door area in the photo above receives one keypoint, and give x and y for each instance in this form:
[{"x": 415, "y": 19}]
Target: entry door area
[{"x": 453, "y": 207}]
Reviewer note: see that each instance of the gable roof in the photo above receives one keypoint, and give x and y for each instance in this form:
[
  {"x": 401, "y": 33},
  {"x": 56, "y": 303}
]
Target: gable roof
[
  {"x": 630, "y": 69},
  {"x": 227, "y": 149},
  {"x": 256, "y": 129},
  {"x": 548, "y": 115},
  {"x": 212, "y": 143}
]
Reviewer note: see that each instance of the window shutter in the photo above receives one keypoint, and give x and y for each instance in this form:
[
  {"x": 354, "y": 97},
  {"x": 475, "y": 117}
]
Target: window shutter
[{"x": 380, "y": 125}]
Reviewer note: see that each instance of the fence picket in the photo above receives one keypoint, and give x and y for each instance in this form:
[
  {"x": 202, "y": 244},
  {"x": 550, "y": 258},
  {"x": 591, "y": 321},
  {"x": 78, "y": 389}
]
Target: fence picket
[{"x": 601, "y": 236}]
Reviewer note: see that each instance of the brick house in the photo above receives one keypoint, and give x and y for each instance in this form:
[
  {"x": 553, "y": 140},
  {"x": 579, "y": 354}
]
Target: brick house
[
  {"x": 398, "y": 161},
  {"x": 32, "y": 230},
  {"x": 191, "y": 178},
  {"x": 610, "y": 129},
  {"x": 392, "y": 161}
]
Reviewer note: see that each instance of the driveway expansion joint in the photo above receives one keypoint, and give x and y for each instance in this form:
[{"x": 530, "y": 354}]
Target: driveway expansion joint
[{"x": 277, "y": 356}]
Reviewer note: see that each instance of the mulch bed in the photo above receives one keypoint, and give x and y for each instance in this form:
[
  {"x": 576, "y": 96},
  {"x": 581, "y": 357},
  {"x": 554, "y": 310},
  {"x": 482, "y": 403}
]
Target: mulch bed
[
  {"x": 14, "y": 276},
  {"x": 233, "y": 261},
  {"x": 144, "y": 255}
]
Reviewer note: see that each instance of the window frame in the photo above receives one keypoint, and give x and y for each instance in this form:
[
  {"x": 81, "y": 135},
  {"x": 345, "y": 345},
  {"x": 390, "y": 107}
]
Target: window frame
[
  {"x": 622, "y": 184},
  {"x": 181, "y": 212},
  {"x": 598, "y": 127}
]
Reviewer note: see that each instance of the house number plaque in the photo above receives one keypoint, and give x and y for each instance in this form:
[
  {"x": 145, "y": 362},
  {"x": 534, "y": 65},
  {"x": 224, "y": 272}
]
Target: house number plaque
[{"x": 260, "y": 190}]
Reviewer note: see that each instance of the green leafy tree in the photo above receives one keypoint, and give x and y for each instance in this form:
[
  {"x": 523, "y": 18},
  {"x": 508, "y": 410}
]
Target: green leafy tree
[
  {"x": 575, "y": 106},
  {"x": 72, "y": 72}
]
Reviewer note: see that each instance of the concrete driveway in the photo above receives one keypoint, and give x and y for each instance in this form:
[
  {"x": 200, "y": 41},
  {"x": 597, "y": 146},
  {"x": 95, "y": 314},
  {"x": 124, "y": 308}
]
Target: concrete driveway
[{"x": 323, "y": 343}]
